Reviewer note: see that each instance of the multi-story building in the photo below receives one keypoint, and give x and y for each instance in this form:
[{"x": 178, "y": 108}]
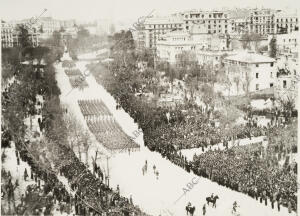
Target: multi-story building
[
  {"x": 287, "y": 82},
  {"x": 173, "y": 44},
  {"x": 286, "y": 22},
  {"x": 214, "y": 57},
  {"x": 255, "y": 71},
  {"x": 238, "y": 20},
  {"x": 206, "y": 47},
  {"x": 7, "y": 34},
  {"x": 155, "y": 27},
  {"x": 10, "y": 35},
  {"x": 214, "y": 22},
  {"x": 47, "y": 25},
  {"x": 239, "y": 25},
  {"x": 286, "y": 44},
  {"x": 268, "y": 21},
  {"x": 262, "y": 21}
]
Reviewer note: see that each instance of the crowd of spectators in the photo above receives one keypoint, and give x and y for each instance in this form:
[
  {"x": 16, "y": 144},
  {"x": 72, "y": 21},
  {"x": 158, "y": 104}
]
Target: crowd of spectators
[{"x": 183, "y": 127}]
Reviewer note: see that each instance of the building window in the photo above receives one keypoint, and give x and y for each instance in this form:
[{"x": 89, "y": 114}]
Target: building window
[
  {"x": 257, "y": 65},
  {"x": 272, "y": 64},
  {"x": 256, "y": 75},
  {"x": 271, "y": 75},
  {"x": 257, "y": 87},
  {"x": 284, "y": 83},
  {"x": 271, "y": 85}
]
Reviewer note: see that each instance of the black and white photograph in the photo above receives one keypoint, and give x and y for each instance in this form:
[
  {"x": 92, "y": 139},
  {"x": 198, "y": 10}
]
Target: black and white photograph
[{"x": 149, "y": 107}]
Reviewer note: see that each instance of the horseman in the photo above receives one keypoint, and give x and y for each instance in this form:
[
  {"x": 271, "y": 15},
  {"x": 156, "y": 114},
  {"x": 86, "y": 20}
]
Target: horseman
[
  {"x": 190, "y": 209},
  {"x": 213, "y": 199}
]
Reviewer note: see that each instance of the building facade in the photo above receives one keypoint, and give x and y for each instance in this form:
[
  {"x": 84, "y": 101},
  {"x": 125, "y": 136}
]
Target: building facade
[
  {"x": 286, "y": 22},
  {"x": 173, "y": 44},
  {"x": 268, "y": 21},
  {"x": 7, "y": 35},
  {"x": 155, "y": 27},
  {"x": 10, "y": 36},
  {"x": 255, "y": 71},
  {"x": 287, "y": 82},
  {"x": 214, "y": 22},
  {"x": 261, "y": 21},
  {"x": 286, "y": 44}
]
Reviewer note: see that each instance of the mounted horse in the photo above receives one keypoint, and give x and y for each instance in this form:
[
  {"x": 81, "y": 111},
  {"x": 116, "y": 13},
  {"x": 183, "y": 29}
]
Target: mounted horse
[
  {"x": 212, "y": 200},
  {"x": 190, "y": 210}
]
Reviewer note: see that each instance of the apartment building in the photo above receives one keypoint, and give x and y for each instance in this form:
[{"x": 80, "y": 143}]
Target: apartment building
[
  {"x": 286, "y": 22},
  {"x": 7, "y": 34},
  {"x": 10, "y": 35},
  {"x": 287, "y": 82},
  {"x": 47, "y": 25},
  {"x": 155, "y": 27},
  {"x": 268, "y": 21},
  {"x": 173, "y": 44},
  {"x": 255, "y": 71},
  {"x": 286, "y": 44},
  {"x": 239, "y": 25},
  {"x": 214, "y": 22},
  {"x": 206, "y": 47},
  {"x": 262, "y": 21}
]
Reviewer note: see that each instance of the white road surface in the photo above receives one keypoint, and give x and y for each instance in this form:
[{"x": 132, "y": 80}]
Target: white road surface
[{"x": 157, "y": 196}]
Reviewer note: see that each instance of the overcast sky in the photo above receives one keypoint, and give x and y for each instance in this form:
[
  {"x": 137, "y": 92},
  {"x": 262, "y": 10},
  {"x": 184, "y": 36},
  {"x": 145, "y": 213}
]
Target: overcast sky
[{"x": 122, "y": 10}]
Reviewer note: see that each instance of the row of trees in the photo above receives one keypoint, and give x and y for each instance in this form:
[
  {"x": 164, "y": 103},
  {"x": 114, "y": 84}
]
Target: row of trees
[{"x": 123, "y": 79}]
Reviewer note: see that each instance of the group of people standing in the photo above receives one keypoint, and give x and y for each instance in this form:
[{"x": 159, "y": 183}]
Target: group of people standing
[{"x": 155, "y": 170}]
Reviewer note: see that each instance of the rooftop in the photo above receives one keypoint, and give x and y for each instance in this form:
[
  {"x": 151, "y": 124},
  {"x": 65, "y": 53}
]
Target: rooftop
[
  {"x": 163, "y": 20},
  {"x": 249, "y": 57}
]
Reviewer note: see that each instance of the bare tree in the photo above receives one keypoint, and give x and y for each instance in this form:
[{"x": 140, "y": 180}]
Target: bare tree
[
  {"x": 247, "y": 78},
  {"x": 230, "y": 114},
  {"x": 75, "y": 136},
  {"x": 247, "y": 39},
  {"x": 192, "y": 85},
  {"x": 74, "y": 129},
  {"x": 86, "y": 141},
  {"x": 236, "y": 80}
]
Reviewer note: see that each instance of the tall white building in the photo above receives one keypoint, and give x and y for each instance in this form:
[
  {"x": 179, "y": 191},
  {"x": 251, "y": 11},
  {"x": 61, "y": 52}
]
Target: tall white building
[
  {"x": 214, "y": 22},
  {"x": 285, "y": 43},
  {"x": 254, "y": 70},
  {"x": 10, "y": 35},
  {"x": 155, "y": 27},
  {"x": 173, "y": 44}
]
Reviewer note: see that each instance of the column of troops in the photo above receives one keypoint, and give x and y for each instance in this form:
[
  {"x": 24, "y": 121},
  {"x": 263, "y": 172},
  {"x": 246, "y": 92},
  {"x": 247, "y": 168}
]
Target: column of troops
[{"x": 102, "y": 124}]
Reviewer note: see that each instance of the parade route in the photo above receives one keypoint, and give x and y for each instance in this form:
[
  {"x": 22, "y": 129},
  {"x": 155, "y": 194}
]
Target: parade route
[{"x": 156, "y": 195}]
